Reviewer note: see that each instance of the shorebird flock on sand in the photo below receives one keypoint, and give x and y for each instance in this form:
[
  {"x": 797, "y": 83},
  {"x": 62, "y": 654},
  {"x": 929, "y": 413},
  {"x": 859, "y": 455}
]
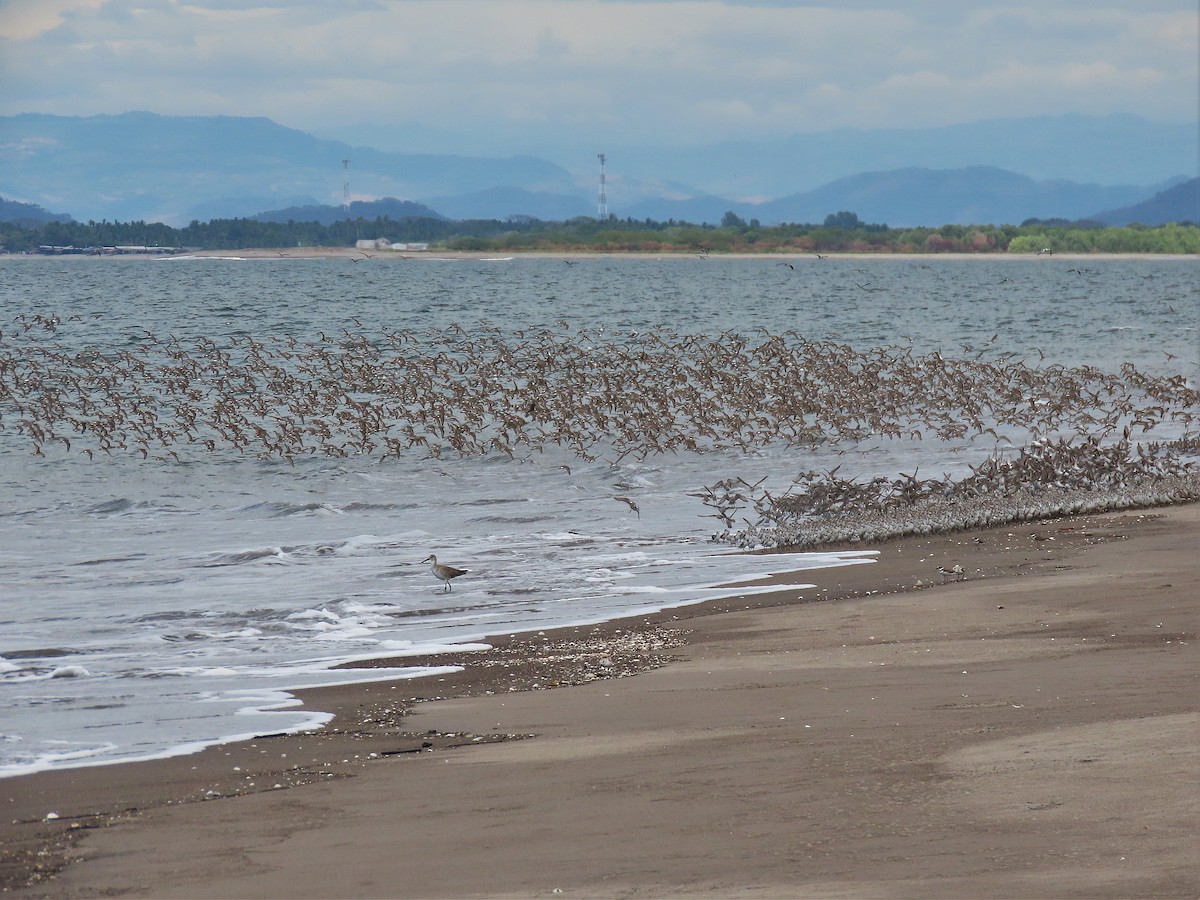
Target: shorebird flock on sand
[
  {"x": 387, "y": 394},
  {"x": 1046, "y": 478}
]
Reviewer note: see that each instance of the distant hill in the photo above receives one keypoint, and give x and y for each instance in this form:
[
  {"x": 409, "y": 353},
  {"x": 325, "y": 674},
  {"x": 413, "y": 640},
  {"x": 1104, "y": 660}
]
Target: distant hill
[
  {"x": 1180, "y": 203},
  {"x": 388, "y": 207},
  {"x": 1105, "y": 150},
  {"x": 163, "y": 168},
  {"x": 972, "y": 195},
  {"x": 914, "y": 196},
  {"x": 28, "y": 214},
  {"x": 699, "y": 208},
  {"x": 505, "y": 202},
  {"x": 173, "y": 169},
  {"x": 240, "y": 207}
]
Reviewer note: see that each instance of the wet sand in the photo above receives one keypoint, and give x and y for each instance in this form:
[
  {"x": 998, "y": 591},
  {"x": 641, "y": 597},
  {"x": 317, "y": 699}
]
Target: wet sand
[{"x": 1030, "y": 731}]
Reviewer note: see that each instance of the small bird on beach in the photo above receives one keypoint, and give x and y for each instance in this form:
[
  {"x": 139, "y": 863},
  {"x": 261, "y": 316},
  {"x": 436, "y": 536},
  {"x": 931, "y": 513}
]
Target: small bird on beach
[
  {"x": 443, "y": 572},
  {"x": 955, "y": 571}
]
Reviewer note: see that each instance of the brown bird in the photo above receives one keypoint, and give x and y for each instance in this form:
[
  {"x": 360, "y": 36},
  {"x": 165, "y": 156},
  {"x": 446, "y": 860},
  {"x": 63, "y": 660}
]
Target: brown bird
[
  {"x": 633, "y": 506},
  {"x": 443, "y": 572}
]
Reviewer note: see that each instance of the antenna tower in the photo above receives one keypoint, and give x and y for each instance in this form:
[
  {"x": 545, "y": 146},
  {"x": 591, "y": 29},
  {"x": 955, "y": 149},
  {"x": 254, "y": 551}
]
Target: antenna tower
[
  {"x": 346, "y": 188},
  {"x": 603, "y": 210}
]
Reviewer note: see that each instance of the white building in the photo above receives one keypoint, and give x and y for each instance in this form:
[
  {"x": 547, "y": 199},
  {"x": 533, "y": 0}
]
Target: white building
[{"x": 377, "y": 244}]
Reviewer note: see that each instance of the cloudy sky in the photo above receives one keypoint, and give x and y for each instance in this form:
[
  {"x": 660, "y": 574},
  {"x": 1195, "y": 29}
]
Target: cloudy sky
[{"x": 519, "y": 73}]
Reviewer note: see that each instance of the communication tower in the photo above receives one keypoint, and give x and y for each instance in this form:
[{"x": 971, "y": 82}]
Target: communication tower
[
  {"x": 346, "y": 188},
  {"x": 603, "y": 210}
]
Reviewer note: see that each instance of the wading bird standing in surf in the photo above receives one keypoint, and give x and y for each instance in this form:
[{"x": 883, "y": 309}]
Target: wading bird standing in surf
[{"x": 443, "y": 572}]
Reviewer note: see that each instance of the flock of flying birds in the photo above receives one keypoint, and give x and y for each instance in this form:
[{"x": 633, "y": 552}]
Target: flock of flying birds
[{"x": 390, "y": 394}]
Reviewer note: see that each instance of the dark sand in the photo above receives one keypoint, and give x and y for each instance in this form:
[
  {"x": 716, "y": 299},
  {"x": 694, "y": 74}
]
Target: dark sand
[{"x": 1032, "y": 731}]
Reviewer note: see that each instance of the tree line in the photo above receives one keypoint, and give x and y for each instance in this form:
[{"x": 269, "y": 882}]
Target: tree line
[{"x": 840, "y": 232}]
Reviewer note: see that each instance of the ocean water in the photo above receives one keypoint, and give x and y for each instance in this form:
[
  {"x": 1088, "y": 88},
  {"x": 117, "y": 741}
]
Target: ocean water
[{"x": 153, "y": 605}]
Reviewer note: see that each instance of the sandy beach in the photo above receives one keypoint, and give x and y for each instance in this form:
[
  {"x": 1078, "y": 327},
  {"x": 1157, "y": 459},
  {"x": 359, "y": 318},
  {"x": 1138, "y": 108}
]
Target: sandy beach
[{"x": 1028, "y": 731}]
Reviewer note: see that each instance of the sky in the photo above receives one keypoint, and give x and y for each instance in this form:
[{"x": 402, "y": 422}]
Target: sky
[{"x": 518, "y": 74}]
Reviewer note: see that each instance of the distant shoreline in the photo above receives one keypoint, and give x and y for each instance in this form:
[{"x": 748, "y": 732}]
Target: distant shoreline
[{"x": 402, "y": 256}]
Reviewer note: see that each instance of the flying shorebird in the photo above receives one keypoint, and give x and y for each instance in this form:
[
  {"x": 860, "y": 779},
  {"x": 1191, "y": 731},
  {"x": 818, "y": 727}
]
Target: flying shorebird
[
  {"x": 442, "y": 572},
  {"x": 633, "y": 506}
]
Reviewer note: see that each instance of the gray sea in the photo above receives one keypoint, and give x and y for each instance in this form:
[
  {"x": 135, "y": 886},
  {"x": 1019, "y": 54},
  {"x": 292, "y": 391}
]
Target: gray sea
[{"x": 151, "y": 606}]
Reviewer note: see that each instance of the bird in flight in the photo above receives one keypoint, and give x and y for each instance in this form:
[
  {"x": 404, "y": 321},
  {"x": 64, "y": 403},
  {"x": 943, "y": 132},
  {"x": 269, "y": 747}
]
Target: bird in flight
[{"x": 633, "y": 506}]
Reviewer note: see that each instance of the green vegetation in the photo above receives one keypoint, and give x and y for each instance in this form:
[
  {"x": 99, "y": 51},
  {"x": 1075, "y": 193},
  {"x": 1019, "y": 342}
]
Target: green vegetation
[
  {"x": 840, "y": 232},
  {"x": 1170, "y": 238}
]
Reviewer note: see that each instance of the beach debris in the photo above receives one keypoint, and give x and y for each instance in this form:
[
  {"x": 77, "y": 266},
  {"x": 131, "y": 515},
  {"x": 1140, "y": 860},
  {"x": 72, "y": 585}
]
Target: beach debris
[{"x": 596, "y": 654}]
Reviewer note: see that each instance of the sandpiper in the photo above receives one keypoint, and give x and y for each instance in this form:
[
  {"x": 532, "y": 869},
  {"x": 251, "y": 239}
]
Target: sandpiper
[
  {"x": 443, "y": 572},
  {"x": 955, "y": 571},
  {"x": 632, "y": 506}
]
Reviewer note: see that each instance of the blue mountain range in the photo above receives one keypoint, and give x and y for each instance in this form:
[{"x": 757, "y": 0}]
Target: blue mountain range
[{"x": 143, "y": 166}]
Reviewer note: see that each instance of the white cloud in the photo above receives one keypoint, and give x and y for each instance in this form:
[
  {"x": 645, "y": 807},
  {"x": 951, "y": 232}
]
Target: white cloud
[
  {"x": 656, "y": 70},
  {"x": 28, "y": 19}
]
